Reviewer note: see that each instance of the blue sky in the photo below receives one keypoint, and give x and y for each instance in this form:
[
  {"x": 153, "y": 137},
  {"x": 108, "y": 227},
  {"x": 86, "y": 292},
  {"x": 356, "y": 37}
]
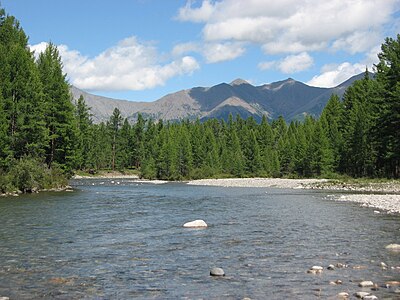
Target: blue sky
[{"x": 143, "y": 49}]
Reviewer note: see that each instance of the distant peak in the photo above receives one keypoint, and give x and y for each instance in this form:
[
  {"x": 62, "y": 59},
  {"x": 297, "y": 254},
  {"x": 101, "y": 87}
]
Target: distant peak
[{"x": 239, "y": 81}]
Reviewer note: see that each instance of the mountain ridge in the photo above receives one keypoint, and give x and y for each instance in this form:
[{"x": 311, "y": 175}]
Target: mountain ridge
[{"x": 288, "y": 98}]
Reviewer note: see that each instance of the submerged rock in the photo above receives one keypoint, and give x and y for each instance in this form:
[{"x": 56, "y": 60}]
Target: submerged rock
[
  {"x": 217, "y": 272},
  {"x": 195, "y": 224}
]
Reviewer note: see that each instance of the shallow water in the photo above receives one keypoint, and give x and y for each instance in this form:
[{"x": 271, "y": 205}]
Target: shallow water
[{"x": 117, "y": 239}]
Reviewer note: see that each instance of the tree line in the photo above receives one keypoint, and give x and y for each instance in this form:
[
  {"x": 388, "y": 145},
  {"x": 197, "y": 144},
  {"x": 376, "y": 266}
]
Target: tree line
[{"x": 45, "y": 137}]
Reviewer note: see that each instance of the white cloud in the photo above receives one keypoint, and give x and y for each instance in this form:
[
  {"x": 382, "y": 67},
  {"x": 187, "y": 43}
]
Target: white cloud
[
  {"x": 129, "y": 65},
  {"x": 212, "y": 52},
  {"x": 293, "y": 26},
  {"x": 334, "y": 74},
  {"x": 198, "y": 14},
  {"x": 185, "y": 48},
  {"x": 290, "y": 64},
  {"x": 222, "y": 52},
  {"x": 266, "y": 65},
  {"x": 296, "y": 63},
  {"x": 38, "y": 48}
]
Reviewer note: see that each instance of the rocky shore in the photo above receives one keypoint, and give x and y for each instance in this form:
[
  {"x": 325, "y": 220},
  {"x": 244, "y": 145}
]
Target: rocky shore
[
  {"x": 383, "y": 196},
  {"x": 259, "y": 182}
]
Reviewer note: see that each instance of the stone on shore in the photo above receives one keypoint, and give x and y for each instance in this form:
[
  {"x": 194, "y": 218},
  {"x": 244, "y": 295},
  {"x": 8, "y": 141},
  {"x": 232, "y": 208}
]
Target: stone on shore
[
  {"x": 195, "y": 224},
  {"x": 217, "y": 272},
  {"x": 366, "y": 283}
]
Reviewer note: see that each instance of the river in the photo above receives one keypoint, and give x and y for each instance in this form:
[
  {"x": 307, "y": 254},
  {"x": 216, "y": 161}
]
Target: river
[{"x": 120, "y": 239}]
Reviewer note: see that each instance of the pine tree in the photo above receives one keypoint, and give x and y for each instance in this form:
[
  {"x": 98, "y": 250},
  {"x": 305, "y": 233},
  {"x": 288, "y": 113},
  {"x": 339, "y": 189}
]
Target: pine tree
[
  {"x": 21, "y": 91},
  {"x": 114, "y": 126},
  {"x": 59, "y": 110},
  {"x": 85, "y": 128},
  {"x": 332, "y": 113},
  {"x": 387, "y": 106}
]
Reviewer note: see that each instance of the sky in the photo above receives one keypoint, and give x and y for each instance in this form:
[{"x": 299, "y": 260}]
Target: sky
[{"x": 141, "y": 50}]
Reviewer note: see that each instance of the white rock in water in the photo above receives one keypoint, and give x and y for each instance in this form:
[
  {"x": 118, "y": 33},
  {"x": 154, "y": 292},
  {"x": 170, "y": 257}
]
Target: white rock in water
[
  {"x": 4, "y": 298},
  {"x": 331, "y": 267},
  {"x": 217, "y": 272},
  {"x": 362, "y": 294},
  {"x": 393, "y": 247},
  {"x": 366, "y": 283},
  {"x": 370, "y": 297},
  {"x": 343, "y": 295},
  {"x": 195, "y": 224},
  {"x": 317, "y": 268}
]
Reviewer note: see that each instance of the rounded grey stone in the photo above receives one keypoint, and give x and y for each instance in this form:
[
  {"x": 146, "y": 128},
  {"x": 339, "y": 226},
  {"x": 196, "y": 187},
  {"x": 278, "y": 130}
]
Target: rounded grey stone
[{"x": 217, "y": 272}]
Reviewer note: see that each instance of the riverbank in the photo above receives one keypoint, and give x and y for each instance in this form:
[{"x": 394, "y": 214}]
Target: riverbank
[
  {"x": 259, "y": 182},
  {"x": 106, "y": 175},
  {"x": 67, "y": 188},
  {"x": 383, "y": 196}
]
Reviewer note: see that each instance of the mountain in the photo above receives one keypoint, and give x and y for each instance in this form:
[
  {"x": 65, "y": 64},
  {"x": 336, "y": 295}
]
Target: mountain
[{"x": 288, "y": 98}]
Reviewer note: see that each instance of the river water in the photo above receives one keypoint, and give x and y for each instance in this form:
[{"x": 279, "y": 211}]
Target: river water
[{"x": 120, "y": 239}]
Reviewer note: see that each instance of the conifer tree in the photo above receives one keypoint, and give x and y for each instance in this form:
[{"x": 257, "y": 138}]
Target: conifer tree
[
  {"x": 85, "y": 130},
  {"x": 387, "y": 105},
  {"x": 59, "y": 110},
  {"x": 21, "y": 91},
  {"x": 114, "y": 126}
]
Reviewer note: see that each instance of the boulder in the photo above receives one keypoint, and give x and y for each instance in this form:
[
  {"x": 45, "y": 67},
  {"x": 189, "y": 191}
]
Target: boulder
[
  {"x": 217, "y": 272},
  {"x": 195, "y": 224}
]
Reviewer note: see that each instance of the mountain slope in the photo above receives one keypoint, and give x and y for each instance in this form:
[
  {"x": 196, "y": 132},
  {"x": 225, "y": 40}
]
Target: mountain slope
[{"x": 288, "y": 98}]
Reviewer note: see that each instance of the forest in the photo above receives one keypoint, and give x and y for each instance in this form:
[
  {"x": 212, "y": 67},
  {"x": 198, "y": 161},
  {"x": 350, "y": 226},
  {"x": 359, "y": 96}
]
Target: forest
[{"x": 45, "y": 137}]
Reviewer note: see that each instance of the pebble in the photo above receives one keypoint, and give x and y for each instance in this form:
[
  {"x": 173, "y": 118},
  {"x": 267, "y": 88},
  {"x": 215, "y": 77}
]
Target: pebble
[
  {"x": 370, "y": 297},
  {"x": 331, "y": 267},
  {"x": 393, "y": 247},
  {"x": 366, "y": 283},
  {"x": 361, "y": 294},
  {"x": 340, "y": 265},
  {"x": 315, "y": 270},
  {"x": 392, "y": 283},
  {"x": 343, "y": 295},
  {"x": 383, "y": 266},
  {"x": 195, "y": 224},
  {"x": 217, "y": 272}
]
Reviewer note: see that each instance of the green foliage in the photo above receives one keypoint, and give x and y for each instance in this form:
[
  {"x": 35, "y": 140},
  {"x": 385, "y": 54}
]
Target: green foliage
[{"x": 44, "y": 136}]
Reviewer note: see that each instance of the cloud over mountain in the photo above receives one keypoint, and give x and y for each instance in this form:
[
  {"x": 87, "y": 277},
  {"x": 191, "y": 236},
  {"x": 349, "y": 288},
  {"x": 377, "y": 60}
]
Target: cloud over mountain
[{"x": 129, "y": 65}]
